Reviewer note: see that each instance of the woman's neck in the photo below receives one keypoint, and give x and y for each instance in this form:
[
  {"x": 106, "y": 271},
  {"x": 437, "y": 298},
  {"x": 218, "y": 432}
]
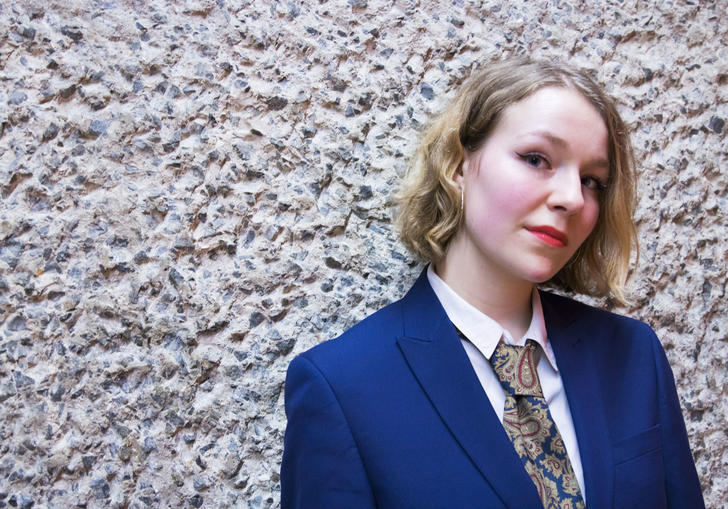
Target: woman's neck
[{"x": 506, "y": 301}]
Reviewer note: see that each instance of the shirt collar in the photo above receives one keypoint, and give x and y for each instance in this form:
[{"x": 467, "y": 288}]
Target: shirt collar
[{"x": 480, "y": 329}]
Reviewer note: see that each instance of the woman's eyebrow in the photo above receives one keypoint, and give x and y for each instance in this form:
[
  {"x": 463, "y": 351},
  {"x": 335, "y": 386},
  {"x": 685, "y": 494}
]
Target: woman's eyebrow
[
  {"x": 552, "y": 138},
  {"x": 560, "y": 142}
]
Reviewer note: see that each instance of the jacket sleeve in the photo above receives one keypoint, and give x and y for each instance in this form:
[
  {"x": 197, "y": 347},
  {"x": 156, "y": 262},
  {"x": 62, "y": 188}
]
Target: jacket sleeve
[
  {"x": 321, "y": 464},
  {"x": 682, "y": 483}
]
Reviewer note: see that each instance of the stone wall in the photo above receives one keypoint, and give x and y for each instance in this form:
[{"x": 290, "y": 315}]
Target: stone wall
[{"x": 194, "y": 192}]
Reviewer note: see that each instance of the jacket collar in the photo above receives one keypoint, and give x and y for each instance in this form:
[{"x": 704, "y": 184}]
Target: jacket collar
[
  {"x": 571, "y": 330},
  {"x": 438, "y": 360}
]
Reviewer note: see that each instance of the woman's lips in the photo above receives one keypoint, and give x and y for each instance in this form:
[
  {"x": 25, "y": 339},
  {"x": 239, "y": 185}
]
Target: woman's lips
[{"x": 549, "y": 235}]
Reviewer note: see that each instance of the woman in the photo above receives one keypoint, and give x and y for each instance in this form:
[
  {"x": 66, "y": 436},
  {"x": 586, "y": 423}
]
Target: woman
[{"x": 475, "y": 389}]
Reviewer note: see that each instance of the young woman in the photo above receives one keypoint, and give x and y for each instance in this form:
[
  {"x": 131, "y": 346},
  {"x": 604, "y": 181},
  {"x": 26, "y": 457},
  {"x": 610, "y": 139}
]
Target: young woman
[{"x": 476, "y": 389}]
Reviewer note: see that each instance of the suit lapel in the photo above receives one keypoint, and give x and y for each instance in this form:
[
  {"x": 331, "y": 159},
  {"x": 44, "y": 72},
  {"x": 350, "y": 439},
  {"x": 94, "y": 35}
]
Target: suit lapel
[
  {"x": 570, "y": 341},
  {"x": 438, "y": 361}
]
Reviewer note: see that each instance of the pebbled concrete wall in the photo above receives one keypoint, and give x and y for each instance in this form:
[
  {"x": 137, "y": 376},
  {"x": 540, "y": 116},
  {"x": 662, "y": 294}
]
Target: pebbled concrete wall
[{"x": 194, "y": 192}]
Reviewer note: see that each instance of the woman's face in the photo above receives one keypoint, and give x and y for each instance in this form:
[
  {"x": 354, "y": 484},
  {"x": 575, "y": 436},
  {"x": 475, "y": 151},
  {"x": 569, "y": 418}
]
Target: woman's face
[{"x": 532, "y": 190}]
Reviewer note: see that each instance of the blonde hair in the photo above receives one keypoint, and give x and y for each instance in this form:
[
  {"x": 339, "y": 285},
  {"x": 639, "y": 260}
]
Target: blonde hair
[{"x": 429, "y": 202}]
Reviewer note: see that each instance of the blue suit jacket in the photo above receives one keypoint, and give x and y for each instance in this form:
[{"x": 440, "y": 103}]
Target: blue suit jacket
[{"x": 392, "y": 415}]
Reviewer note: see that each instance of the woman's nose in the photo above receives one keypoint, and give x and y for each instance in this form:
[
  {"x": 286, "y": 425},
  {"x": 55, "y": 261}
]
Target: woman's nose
[{"x": 567, "y": 193}]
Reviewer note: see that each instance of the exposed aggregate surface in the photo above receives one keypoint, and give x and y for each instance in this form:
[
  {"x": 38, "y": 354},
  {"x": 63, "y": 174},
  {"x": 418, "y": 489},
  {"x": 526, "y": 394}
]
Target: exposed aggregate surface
[{"x": 194, "y": 192}]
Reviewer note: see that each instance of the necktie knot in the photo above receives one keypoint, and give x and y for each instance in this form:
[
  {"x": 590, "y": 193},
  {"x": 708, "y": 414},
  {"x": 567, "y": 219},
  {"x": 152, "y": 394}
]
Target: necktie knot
[{"x": 515, "y": 367}]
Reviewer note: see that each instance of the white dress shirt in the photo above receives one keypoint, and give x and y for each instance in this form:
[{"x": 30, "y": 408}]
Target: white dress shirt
[{"x": 483, "y": 335}]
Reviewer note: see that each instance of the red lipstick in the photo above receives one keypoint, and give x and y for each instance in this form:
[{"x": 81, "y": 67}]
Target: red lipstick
[{"x": 549, "y": 235}]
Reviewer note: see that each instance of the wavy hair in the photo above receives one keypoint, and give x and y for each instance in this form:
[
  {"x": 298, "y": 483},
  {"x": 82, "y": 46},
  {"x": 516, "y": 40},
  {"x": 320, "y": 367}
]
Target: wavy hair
[{"x": 429, "y": 202}]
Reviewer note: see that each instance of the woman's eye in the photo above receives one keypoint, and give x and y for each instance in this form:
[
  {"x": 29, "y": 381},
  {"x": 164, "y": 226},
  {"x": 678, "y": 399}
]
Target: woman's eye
[
  {"x": 593, "y": 183},
  {"x": 534, "y": 160}
]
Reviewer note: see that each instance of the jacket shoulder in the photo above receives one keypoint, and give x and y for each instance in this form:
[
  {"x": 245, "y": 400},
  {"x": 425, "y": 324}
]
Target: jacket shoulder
[
  {"x": 570, "y": 309},
  {"x": 364, "y": 339}
]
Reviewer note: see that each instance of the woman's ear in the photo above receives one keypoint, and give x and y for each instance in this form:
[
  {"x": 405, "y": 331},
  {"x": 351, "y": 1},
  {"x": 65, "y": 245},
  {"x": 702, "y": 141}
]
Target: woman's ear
[{"x": 460, "y": 171}]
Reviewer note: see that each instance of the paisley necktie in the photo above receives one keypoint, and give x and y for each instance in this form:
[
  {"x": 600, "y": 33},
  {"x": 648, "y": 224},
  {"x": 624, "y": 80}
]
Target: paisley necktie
[{"x": 531, "y": 428}]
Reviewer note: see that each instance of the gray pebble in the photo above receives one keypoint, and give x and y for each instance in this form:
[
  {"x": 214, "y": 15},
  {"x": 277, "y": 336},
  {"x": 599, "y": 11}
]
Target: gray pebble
[
  {"x": 176, "y": 278},
  {"x": 276, "y": 103},
  {"x": 149, "y": 445},
  {"x": 67, "y": 92},
  {"x": 28, "y": 33},
  {"x": 51, "y": 132},
  {"x": 256, "y": 318},
  {"x": 88, "y": 461},
  {"x": 72, "y": 32},
  {"x": 17, "y": 323},
  {"x": 6, "y": 391},
  {"x": 716, "y": 124},
  {"x": 22, "y": 380},
  {"x": 101, "y": 489},
  {"x": 17, "y": 97},
  {"x": 201, "y": 483},
  {"x": 426, "y": 91},
  {"x": 97, "y": 128},
  {"x": 26, "y": 502}
]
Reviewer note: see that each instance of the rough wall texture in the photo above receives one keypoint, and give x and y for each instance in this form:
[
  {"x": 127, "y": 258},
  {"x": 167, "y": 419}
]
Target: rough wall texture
[{"x": 194, "y": 192}]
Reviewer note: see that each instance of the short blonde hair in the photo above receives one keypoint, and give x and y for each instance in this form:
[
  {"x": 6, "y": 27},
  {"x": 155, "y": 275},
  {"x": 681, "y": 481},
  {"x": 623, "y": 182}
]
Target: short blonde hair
[{"x": 429, "y": 202}]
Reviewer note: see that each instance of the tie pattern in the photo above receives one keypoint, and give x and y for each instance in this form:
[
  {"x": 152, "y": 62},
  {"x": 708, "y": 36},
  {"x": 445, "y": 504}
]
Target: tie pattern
[{"x": 531, "y": 428}]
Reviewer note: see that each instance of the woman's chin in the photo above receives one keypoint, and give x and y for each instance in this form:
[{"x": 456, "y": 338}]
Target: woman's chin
[{"x": 541, "y": 276}]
